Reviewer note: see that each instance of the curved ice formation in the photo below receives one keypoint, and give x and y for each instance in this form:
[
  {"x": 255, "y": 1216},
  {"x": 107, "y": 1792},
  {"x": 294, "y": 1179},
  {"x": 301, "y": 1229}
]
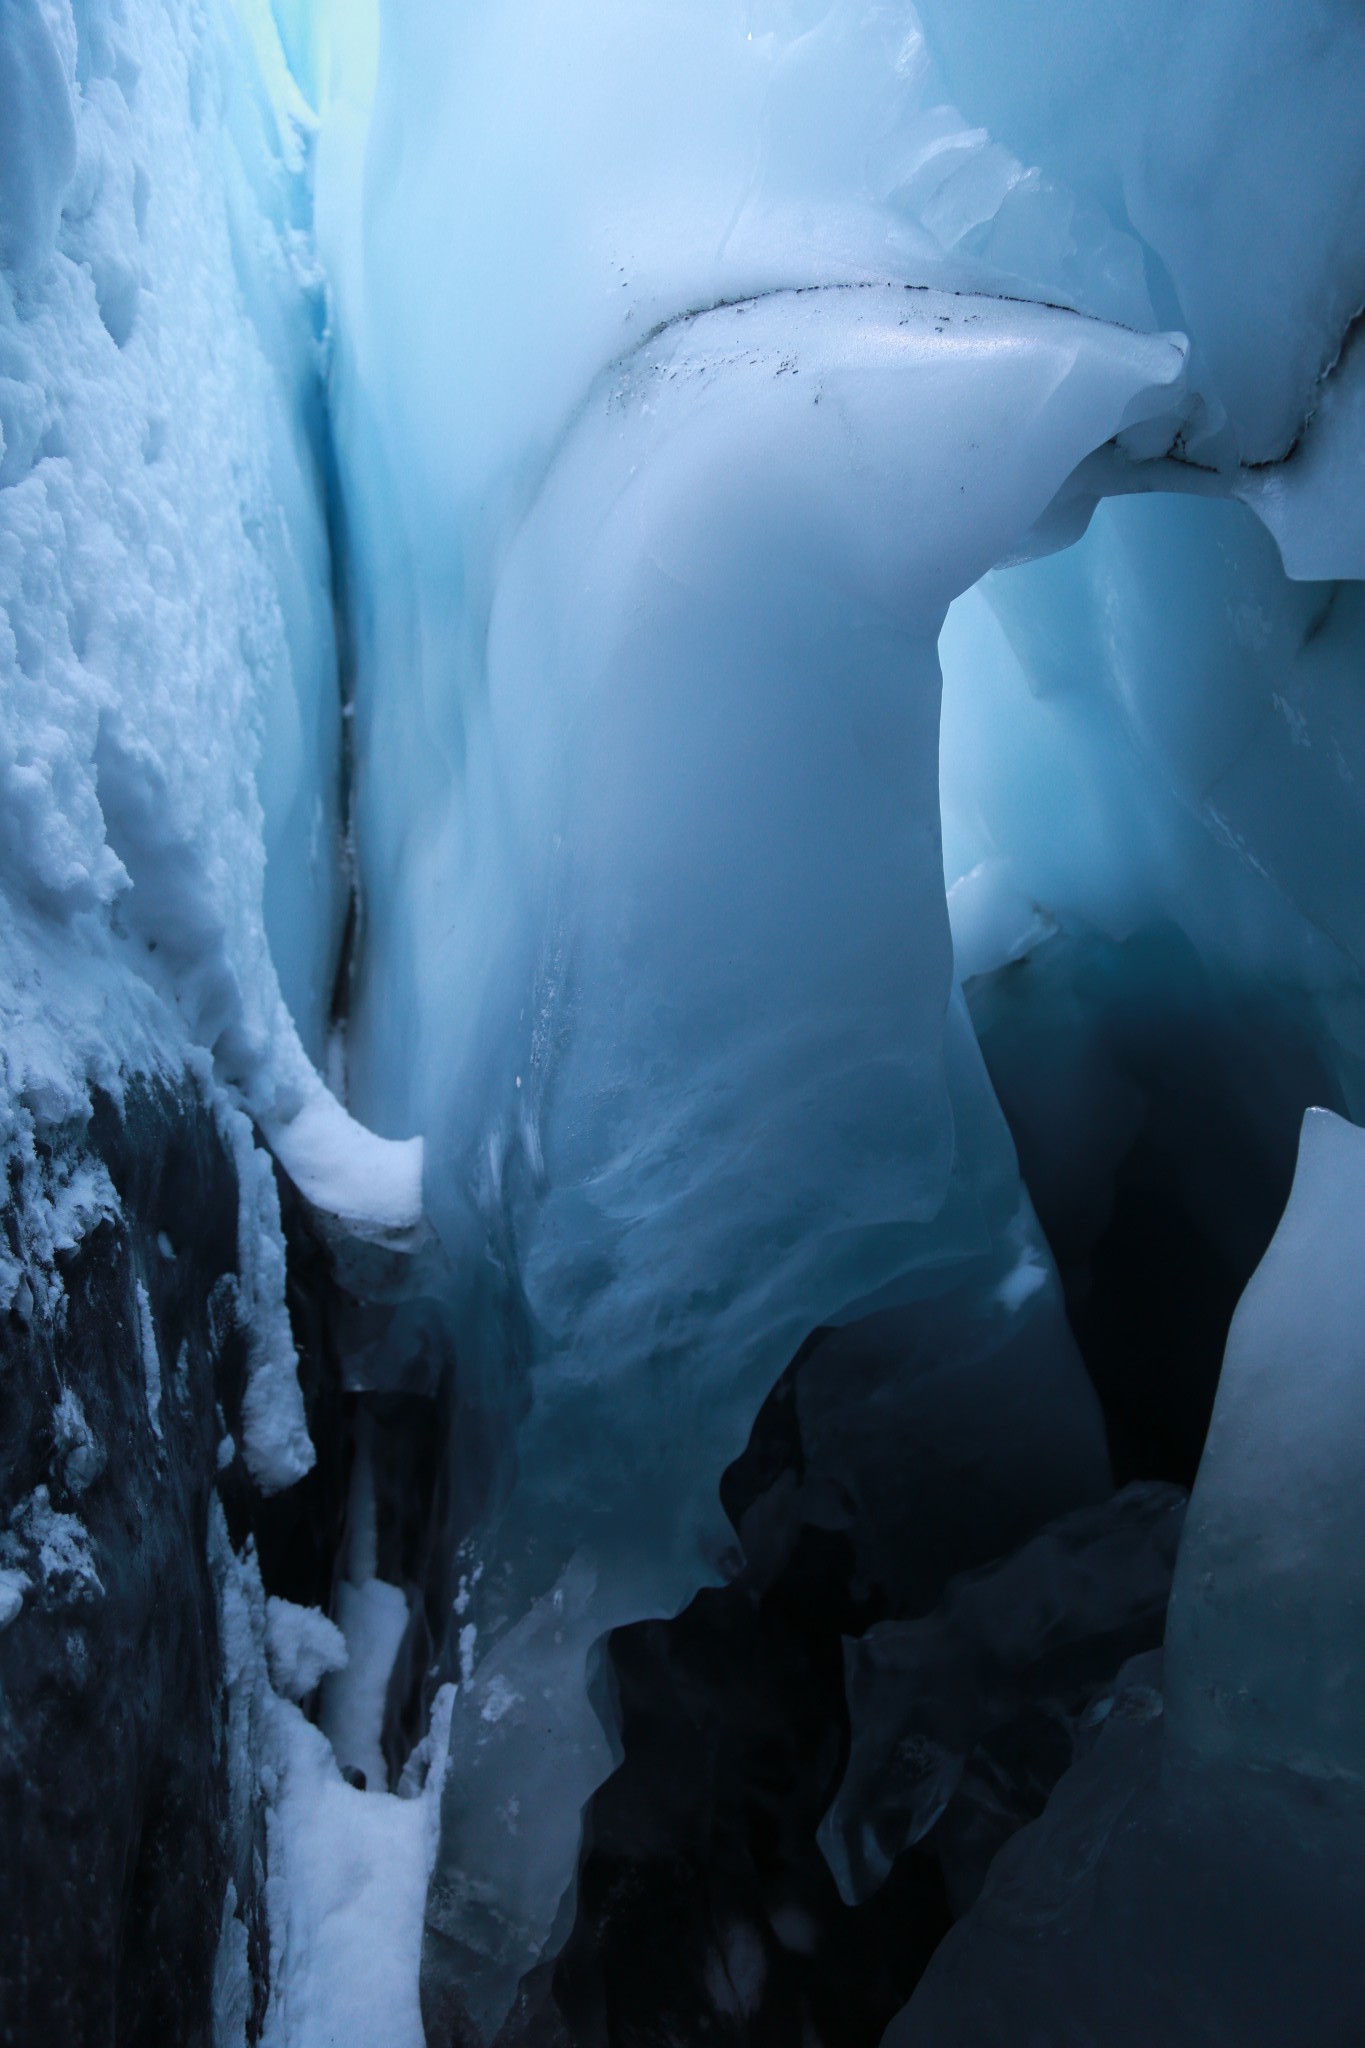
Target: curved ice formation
[{"x": 696, "y": 1094}]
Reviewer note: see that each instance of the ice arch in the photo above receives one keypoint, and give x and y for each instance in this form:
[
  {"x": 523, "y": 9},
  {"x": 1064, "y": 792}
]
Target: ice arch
[{"x": 701, "y": 1085}]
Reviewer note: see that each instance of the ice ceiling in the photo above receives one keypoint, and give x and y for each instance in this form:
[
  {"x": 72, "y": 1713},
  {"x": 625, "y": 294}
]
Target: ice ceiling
[{"x": 708, "y": 658}]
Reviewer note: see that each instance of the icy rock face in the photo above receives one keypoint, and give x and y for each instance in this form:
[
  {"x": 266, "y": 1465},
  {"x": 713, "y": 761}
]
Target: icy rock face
[
  {"x": 892, "y": 1454},
  {"x": 171, "y": 899},
  {"x": 1155, "y": 1096},
  {"x": 1148, "y": 1905},
  {"x": 1197, "y": 1877},
  {"x": 113, "y": 1792}
]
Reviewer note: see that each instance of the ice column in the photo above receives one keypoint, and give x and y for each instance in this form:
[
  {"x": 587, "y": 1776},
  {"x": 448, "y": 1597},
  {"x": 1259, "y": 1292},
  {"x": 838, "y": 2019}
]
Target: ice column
[{"x": 696, "y": 957}]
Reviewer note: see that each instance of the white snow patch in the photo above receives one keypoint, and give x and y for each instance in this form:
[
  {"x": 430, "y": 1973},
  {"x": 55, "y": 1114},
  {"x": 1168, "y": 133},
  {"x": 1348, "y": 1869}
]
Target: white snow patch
[
  {"x": 373, "y": 1618},
  {"x": 302, "y": 1646},
  {"x": 275, "y": 1440},
  {"x": 372, "y": 1184},
  {"x": 469, "y": 1636},
  {"x": 13, "y": 1586},
  {"x": 57, "y": 1203},
  {"x": 347, "y": 1892},
  {"x": 55, "y": 1545},
  {"x": 151, "y": 1359},
  {"x": 347, "y": 1871}
]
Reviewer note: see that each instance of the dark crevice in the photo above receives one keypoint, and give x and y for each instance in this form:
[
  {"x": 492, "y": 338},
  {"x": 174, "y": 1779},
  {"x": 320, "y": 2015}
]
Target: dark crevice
[
  {"x": 1156, "y": 1109},
  {"x": 112, "y": 1769}
]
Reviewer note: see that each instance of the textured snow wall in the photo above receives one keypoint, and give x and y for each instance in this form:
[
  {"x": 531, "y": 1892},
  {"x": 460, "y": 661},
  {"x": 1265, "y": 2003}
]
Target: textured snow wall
[
  {"x": 171, "y": 762},
  {"x": 173, "y": 891},
  {"x": 166, "y": 593}
]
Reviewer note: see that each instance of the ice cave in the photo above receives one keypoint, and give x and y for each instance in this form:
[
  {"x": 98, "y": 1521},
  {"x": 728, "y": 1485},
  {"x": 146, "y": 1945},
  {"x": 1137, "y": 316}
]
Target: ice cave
[{"x": 682, "y": 1024}]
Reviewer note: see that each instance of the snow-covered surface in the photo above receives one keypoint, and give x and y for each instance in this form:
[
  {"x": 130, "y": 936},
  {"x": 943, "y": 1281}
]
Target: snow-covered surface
[
  {"x": 43, "y": 1543},
  {"x": 348, "y": 1886},
  {"x": 13, "y": 1586},
  {"x": 151, "y": 1358},
  {"x": 347, "y": 1870},
  {"x": 173, "y": 881},
  {"x": 373, "y": 1618},
  {"x": 373, "y": 1184},
  {"x": 302, "y": 1645},
  {"x": 171, "y": 871}
]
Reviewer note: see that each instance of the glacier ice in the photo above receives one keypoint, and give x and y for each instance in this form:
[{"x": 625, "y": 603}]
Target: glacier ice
[
  {"x": 547, "y": 1065},
  {"x": 1198, "y": 1871},
  {"x": 1228, "y": 144},
  {"x": 559, "y": 1028},
  {"x": 1263, "y": 1654},
  {"x": 698, "y": 1105}
]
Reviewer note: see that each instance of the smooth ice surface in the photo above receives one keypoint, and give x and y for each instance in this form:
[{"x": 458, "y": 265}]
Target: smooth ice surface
[
  {"x": 684, "y": 1019},
  {"x": 1311, "y": 503},
  {"x": 1226, "y": 140},
  {"x": 658, "y": 489},
  {"x": 1160, "y": 725},
  {"x": 1265, "y": 1656}
]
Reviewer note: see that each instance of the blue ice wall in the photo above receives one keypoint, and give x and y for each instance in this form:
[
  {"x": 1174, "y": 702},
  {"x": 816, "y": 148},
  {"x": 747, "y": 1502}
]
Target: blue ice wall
[{"x": 689, "y": 362}]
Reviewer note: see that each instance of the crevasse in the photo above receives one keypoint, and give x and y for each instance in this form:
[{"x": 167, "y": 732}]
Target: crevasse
[{"x": 680, "y": 688}]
